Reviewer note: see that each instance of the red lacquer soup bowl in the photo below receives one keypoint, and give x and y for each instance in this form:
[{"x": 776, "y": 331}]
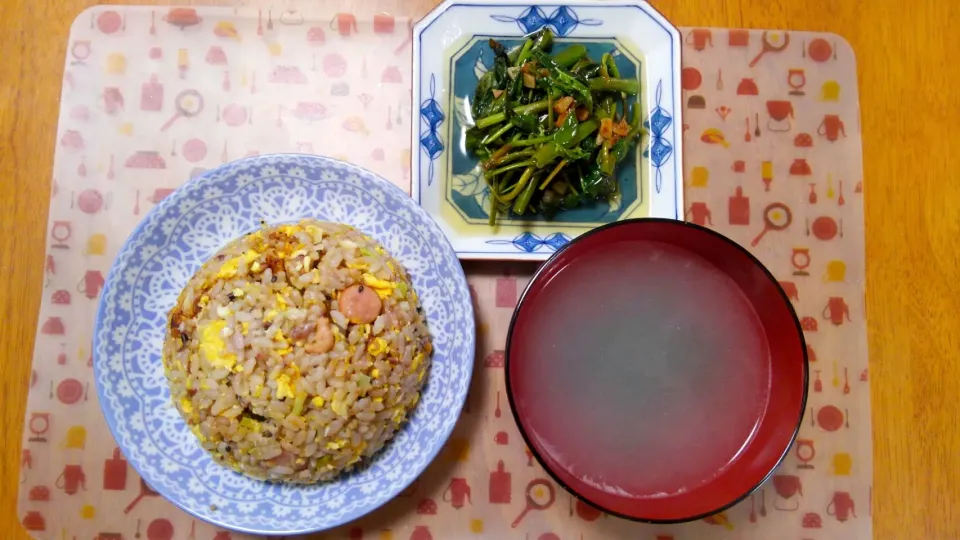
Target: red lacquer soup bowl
[{"x": 656, "y": 370}]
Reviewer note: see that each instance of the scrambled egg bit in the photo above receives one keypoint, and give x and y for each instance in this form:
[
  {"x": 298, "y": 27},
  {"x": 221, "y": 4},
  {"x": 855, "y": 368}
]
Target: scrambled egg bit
[
  {"x": 212, "y": 347},
  {"x": 378, "y": 346},
  {"x": 250, "y": 424},
  {"x": 339, "y": 407},
  {"x": 382, "y": 287},
  {"x": 196, "y": 431},
  {"x": 284, "y": 387},
  {"x": 186, "y": 406},
  {"x": 229, "y": 268}
]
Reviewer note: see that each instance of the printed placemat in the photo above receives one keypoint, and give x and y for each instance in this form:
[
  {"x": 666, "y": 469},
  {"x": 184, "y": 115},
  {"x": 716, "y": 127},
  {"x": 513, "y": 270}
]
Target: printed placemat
[{"x": 154, "y": 96}]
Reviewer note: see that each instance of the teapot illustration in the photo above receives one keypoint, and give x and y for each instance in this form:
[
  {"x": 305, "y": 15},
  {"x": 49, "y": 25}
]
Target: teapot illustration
[
  {"x": 835, "y": 310},
  {"x": 72, "y": 479},
  {"x": 700, "y": 38},
  {"x": 457, "y": 493},
  {"x": 700, "y": 214},
  {"x": 91, "y": 284},
  {"x": 832, "y": 127},
  {"x": 841, "y": 506}
]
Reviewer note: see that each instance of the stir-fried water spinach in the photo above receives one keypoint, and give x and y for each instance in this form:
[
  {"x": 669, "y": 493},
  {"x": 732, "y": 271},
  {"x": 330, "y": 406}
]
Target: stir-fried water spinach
[{"x": 551, "y": 129}]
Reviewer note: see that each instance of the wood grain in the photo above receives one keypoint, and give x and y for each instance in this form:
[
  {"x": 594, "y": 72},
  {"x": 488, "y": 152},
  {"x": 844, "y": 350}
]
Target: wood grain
[{"x": 908, "y": 86}]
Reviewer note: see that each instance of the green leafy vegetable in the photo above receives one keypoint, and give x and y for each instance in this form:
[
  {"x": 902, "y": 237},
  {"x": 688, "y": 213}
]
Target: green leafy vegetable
[{"x": 551, "y": 127}]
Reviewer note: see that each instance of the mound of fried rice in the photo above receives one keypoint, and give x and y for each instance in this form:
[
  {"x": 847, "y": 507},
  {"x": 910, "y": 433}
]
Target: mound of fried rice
[{"x": 280, "y": 361}]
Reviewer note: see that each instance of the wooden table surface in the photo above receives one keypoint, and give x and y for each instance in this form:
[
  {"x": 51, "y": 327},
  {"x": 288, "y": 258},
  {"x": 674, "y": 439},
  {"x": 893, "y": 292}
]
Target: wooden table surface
[{"x": 912, "y": 206}]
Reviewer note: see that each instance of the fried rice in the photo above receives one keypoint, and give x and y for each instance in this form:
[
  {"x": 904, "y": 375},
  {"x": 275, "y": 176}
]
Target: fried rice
[{"x": 297, "y": 351}]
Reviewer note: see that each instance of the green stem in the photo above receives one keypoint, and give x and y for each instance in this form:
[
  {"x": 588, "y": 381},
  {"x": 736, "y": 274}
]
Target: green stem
[
  {"x": 524, "y": 53},
  {"x": 533, "y": 141},
  {"x": 605, "y": 108},
  {"x": 607, "y": 161},
  {"x": 549, "y": 112},
  {"x": 530, "y": 108},
  {"x": 520, "y": 205},
  {"x": 491, "y": 120},
  {"x": 570, "y": 56},
  {"x": 612, "y": 66},
  {"x": 507, "y": 158},
  {"x": 518, "y": 187},
  {"x": 546, "y": 154},
  {"x": 543, "y": 40},
  {"x": 502, "y": 182},
  {"x": 584, "y": 129},
  {"x": 580, "y": 64},
  {"x": 627, "y": 86},
  {"x": 512, "y": 166},
  {"x": 635, "y": 119},
  {"x": 496, "y": 134}
]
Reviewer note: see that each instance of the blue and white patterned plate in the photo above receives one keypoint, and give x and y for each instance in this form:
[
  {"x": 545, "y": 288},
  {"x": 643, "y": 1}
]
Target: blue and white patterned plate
[
  {"x": 166, "y": 249},
  {"x": 450, "y": 55}
]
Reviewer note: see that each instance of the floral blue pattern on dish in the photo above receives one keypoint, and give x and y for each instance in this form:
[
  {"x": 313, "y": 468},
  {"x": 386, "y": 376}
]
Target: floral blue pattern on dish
[
  {"x": 529, "y": 242},
  {"x": 659, "y": 149},
  {"x": 562, "y": 20},
  {"x": 431, "y": 116},
  {"x": 171, "y": 243}
]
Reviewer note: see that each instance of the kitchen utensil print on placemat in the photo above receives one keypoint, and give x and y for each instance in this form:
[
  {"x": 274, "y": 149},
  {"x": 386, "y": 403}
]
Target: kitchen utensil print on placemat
[
  {"x": 115, "y": 472},
  {"x": 188, "y": 103},
  {"x": 145, "y": 491},
  {"x": 182, "y": 18},
  {"x": 234, "y": 115},
  {"x": 70, "y": 391},
  {"x": 700, "y": 38},
  {"x": 540, "y": 495},
  {"x": 773, "y": 42},
  {"x": 457, "y": 493},
  {"x": 842, "y": 506},
  {"x": 151, "y": 94},
  {"x": 786, "y": 486},
  {"x": 80, "y": 51},
  {"x": 72, "y": 479},
  {"x": 832, "y": 419},
  {"x": 700, "y": 214},
  {"x": 109, "y": 21},
  {"x": 781, "y": 113},
  {"x": 776, "y": 217},
  {"x": 797, "y": 79},
  {"x": 500, "y": 485},
  {"x": 160, "y": 529},
  {"x": 111, "y": 101}
]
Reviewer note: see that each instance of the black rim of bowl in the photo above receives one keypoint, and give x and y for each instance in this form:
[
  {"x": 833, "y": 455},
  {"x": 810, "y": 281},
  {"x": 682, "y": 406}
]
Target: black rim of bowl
[{"x": 783, "y": 296}]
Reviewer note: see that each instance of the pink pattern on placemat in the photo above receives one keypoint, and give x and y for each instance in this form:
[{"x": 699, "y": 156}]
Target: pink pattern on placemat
[
  {"x": 779, "y": 134},
  {"x": 506, "y": 292}
]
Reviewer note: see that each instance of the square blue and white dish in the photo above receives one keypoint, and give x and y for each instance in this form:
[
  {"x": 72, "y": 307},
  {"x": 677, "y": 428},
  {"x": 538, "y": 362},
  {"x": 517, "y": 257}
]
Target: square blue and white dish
[{"x": 450, "y": 54}]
